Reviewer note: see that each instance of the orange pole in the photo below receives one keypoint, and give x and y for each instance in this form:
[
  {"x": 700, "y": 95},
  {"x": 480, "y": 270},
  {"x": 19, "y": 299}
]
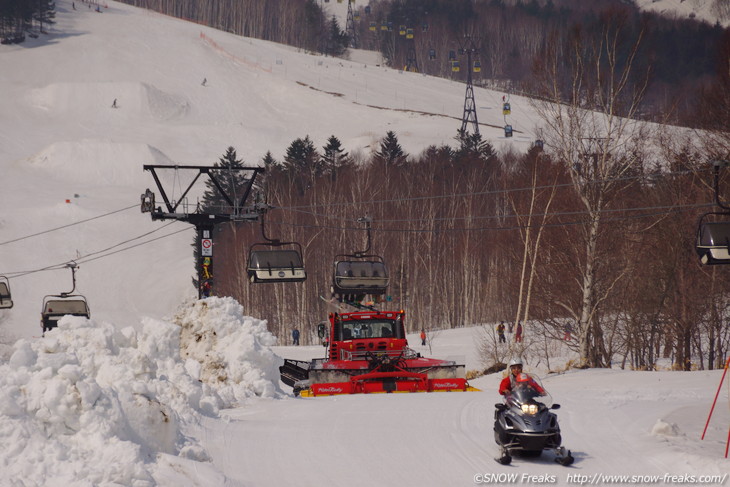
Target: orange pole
[{"x": 715, "y": 401}]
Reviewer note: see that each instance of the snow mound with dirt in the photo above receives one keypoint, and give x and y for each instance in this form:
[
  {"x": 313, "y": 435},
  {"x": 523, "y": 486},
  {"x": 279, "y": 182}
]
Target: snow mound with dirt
[{"x": 228, "y": 350}]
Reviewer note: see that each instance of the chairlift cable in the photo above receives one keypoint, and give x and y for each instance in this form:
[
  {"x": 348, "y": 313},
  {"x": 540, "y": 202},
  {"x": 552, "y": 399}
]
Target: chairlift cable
[
  {"x": 490, "y": 217},
  {"x": 480, "y": 193},
  {"x": 69, "y": 225},
  {"x": 80, "y": 259},
  {"x": 673, "y": 208}
]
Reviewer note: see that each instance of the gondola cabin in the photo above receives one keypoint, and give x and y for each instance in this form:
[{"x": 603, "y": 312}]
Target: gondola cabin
[
  {"x": 56, "y": 307},
  {"x": 367, "y": 9},
  {"x": 6, "y": 300},
  {"x": 360, "y": 277},
  {"x": 402, "y": 30},
  {"x": 373, "y": 26},
  {"x": 508, "y": 130},
  {"x": 275, "y": 266},
  {"x": 455, "y": 66},
  {"x": 477, "y": 67},
  {"x": 409, "y": 33},
  {"x": 713, "y": 242},
  {"x": 506, "y": 109}
]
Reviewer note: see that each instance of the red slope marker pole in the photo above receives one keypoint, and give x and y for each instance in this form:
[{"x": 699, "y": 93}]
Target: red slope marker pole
[{"x": 722, "y": 379}]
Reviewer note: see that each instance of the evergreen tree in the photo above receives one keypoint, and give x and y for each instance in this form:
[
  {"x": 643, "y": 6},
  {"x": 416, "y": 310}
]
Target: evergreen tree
[
  {"x": 391, "y": 153},
  {"x": 337, "y": 40},
  {"x": 270, "y": 164},
  {"x": 272, "y": 167},
  {"x": 334, "y": 158},
  {"x": 233, "y": 182},
  {"x": 45, "y": 13},
  {"x": 302, "y": 163},
  {"x": 472, "y": 146}
]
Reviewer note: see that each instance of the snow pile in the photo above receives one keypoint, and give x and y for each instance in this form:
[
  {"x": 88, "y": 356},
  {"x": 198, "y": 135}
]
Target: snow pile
[
  {"x": 664, "y": 428},
  {"x": 89, "y": 404},
  {"x": 229, "y": 351}
]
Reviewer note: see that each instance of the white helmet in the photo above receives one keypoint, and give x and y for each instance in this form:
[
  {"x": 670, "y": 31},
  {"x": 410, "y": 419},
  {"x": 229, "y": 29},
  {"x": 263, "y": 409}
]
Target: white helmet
[{"x": 515, "y": 361}]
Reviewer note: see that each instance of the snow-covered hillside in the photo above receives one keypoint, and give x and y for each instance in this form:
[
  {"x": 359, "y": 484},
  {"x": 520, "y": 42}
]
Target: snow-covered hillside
[
  {"x": 710, "y": 11},
  {"x": 159, "y": 389},
  {"x": 67, "y": 155}
]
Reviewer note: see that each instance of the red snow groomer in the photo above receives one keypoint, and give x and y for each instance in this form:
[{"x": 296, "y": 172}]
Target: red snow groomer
[
  {"x": 368, "y": 353},
  {"x": 367, "y": 350}
]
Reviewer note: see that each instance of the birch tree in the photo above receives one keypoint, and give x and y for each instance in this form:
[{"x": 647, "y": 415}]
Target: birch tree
[{"x": 594, "y": 135}]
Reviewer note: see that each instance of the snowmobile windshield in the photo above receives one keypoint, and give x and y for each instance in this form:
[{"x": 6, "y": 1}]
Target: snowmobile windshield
[{"x": 528, "y": 389}]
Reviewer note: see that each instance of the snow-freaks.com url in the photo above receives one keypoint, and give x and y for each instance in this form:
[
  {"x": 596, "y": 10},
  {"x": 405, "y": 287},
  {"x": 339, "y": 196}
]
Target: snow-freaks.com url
[{"x": 600, "y": 479}]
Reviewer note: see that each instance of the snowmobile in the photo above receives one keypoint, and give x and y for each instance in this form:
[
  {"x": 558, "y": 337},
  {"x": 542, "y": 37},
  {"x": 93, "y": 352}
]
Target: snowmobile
[{"x": 524, "y": 424}]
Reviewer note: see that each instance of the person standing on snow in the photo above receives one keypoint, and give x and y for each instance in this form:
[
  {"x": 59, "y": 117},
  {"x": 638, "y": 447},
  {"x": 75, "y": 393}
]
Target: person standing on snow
[
  {"x": 423, "y": 338},
  {"x": 518, "y": 332},
  {"x": 295, "y": 336},
  {"x": 500, "y": 332}
]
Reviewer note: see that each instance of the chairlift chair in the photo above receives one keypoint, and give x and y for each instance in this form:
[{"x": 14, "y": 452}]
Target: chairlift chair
[
  {"x": 6, "y": 301},
  {"x": 57, "y": 306},
  {"x": 360, "y": 274},
  {"x": 275, "y": 264},
  {"x": 713, "y": 241},
  {"x": 280, "y": 265}
]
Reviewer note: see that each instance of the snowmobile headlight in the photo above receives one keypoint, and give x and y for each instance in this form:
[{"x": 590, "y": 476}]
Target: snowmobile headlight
[{"x": 529, "y": 408}]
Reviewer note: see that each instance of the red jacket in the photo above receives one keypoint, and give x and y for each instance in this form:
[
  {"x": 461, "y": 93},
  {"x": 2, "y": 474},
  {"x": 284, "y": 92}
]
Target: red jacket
[{"x": 506, "y": 385}]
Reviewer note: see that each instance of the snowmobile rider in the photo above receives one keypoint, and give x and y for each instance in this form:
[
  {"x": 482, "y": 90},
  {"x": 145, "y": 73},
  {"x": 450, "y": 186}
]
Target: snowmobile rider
[{"x": 515, "y": 376}]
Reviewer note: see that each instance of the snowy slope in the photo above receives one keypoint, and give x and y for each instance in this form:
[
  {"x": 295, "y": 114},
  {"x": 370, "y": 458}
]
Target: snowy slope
[
  {"x": 147, "y": 393},
  {"x": 710, "y": 11},
  {"x": 62, "y": 139}
]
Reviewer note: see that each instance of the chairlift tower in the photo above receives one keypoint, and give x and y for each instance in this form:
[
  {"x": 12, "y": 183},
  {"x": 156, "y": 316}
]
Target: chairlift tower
[
  {"x": 204, "y": 221},
  {"x": 470, "y": 108},
  {"x": 350, "y": 25}
]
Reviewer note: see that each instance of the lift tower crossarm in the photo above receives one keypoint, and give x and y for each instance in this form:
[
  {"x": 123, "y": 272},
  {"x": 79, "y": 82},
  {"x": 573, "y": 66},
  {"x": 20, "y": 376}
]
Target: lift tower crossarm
[{"x": 172, "y": 208}]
